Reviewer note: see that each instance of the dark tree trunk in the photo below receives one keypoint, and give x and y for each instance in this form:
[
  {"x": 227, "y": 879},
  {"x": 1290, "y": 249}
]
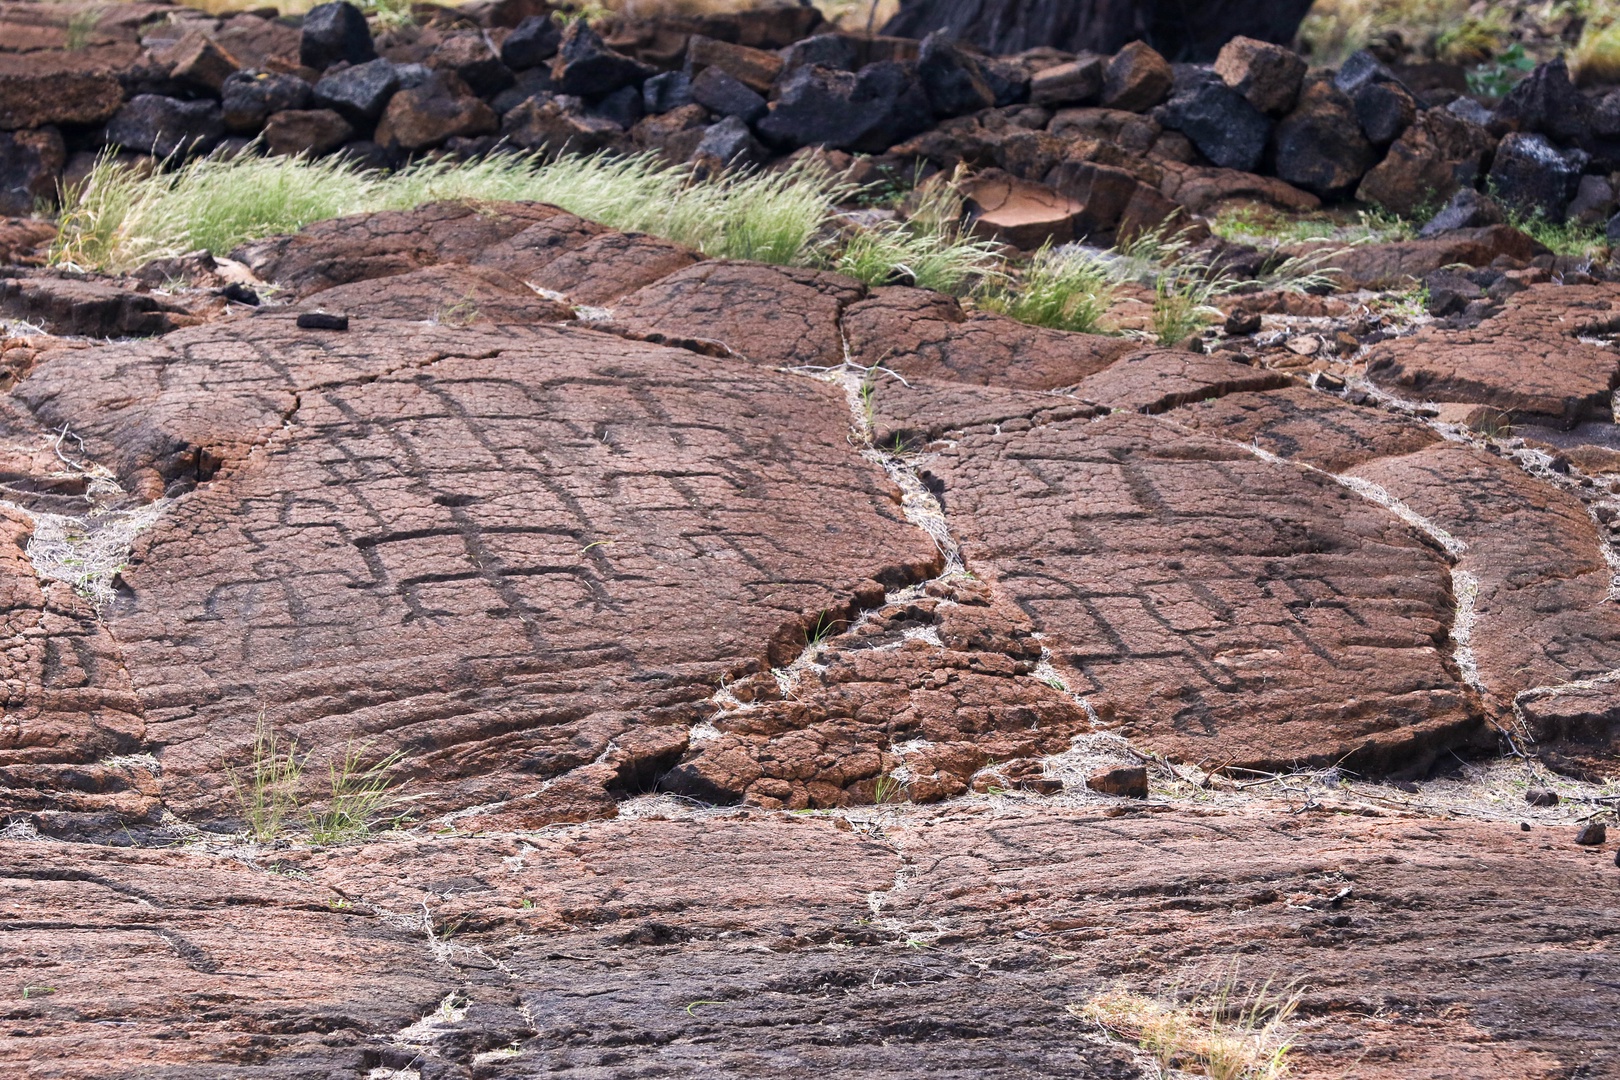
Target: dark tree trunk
[{"x": 1180, "y": 29}]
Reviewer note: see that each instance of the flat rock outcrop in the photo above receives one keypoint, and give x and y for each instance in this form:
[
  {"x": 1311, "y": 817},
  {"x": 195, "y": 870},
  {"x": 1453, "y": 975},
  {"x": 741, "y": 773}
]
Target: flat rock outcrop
[
  {"x": 1532, "y": 361},
  {"x": 1219, "y": 607},
  {"x": 487, "y": 525},
  {"x": 1155, "y": 380}
]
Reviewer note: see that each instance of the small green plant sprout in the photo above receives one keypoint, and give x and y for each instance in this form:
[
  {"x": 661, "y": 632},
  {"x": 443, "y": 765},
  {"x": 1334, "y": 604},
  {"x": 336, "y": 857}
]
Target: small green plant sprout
[
  {"x": 825, "y": 626},
  {"x": 361, "y": 797},
  {"x": 81, "y": 25},
  {"x": 30, "y": 992},
  {"x": 1493, "y": 78},
  {"x": 390, "y": 14},
  {"x": 1064, "y": 291},
  {"x": 888, "y": 789},
  {"x": 1213, "y": 1033},
  {"x": 268, "y": 791},
  {"x": 1181, "y": 300}
]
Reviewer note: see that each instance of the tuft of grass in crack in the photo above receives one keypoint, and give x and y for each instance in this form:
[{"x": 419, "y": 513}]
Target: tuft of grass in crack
[
  {"x": 1566, "y": 238},
  {"x": 120, "y": 217},
  {"x": 929, "y": 249},
  {"x": 1214, "y": 1033},
  {"x": 361, "y": 796},
  {"x": 1063, "y": 291},
  {"x": 268, "y": 792},
  {"x": 888, "y": 789}
]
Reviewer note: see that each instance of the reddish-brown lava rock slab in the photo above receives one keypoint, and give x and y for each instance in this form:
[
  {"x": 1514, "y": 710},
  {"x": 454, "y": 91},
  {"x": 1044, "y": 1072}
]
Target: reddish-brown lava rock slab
[
  {"x": 536, "y": 243},
  {"x": 905, "y": 412},
  {"x": 1422, "y": 948},
  {"x": 93, "y": 308},
  {"x": 450, "y": 294},
  {"x": 141, "y": 962},
  {"x": 1309, "y": 426},
  {"x": 1155, "y": 380},
  {"x": 1542, "y": 614},
  {"x": 509, "y": 555},
  {"x": 1222, "y": 608},
  {"x": 924, "y": 334},
  {"x": 931, "y": 689},
  {"x": 69, "y": 712},
  {"x": 1528, "y": 361},
  {"x": 786, "y": 316}
]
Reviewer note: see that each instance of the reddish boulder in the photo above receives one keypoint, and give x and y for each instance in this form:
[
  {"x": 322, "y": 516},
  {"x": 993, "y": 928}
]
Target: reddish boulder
[
  {"x": 442, "y": 107},
  {"x": 1440, "y": 153},
  {"x": 68, "y": 305},
  {"x": 1136, "y": 79},
  {"x": 1018, "y": 212},
  {"x": 43, "y": 88},
  {"x": 306, "y": 131},
  {"x": 1267, "y": 75}
]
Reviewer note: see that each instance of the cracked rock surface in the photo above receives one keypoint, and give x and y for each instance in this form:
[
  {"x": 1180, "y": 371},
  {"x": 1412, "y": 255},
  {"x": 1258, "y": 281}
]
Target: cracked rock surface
[{"x": 747, "y": 637}]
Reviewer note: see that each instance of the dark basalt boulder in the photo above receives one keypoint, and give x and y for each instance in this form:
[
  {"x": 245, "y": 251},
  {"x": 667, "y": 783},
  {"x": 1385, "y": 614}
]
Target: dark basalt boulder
[
  {"x": 1223, "y": 125},
  {"x": 334, "y": 32},
  {"x": 867, "y": 112},
  {"x": 1319, "y": 146},
  {"x": 358, "y": 93},
  {"x": 249, "y": 97},
  {"x": 1533, "y": 176},
  {"x": 166, "y": 127},
  {"x": 533, "y": 43},
  {"x": 952, "y": 79},
  {"x": 588, "y": 68}
]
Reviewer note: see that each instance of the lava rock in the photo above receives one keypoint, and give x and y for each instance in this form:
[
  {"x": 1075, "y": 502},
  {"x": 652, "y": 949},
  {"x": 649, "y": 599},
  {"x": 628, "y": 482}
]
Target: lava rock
[
  {"x": 1136, "y": 79},
  {"x": 836, "y": 51},
  {"x": 1541, "y": 797},
  {"x": 1440, "y": 154},
  {"x": 754, "y": 68},
  {"x": 554, "y": 126},
  {"x": 1268, "y": 76},
  {"x": 1006, "y": 79},
  {"x": 249, "y": 97},
  {"x": 1466, "y": 108},
  {"x": 867, "y": 112},
  {"x": 358, "y": 93},
  {"x": 1385, "y": 110},
  {"x": 30, "y": 167},
  {"x": 321, "y": 320},
  {"x": 534, "y": 41},
  {"x": 166, "y": 127},
  {"x": 300, "y": 131},
  {"x": 1319, "y": 146},
  {"x": 1222, "y": 123},
  {"x": 1592, "y": 834},
  {"x": 535, "y": 82},
  {"x": 1361, "y": 69},
  {"x": 952, "y": 79},
  {"x": 666, "y": 92},
  {"x": 586, "y": 67},
  {"x": 723, "y": 94},
  {"x": 469, "y": 55},
  {"x": 1533, "y": 176},
  {"x": 1242, "y": 323},
  {"x": 197, "y": 63},
  {"x": 1468, "y": 209},
  {"x": 334, "y": 32},
  {"x": 425, "y": 116},
  {"x": 623, "y": 106},
  {"x": 1593, "y": 202},
  {"x": 1130, "y": 781},
  {"x": 730, "y": 143},
  {"x": 1547, "y": 102},
  {"x": 1079, "y": 82},
  {"x": 1450, "y": 292}
]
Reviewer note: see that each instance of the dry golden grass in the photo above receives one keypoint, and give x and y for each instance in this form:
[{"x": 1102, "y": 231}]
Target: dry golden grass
[{"x": 1212, "y": 1034}]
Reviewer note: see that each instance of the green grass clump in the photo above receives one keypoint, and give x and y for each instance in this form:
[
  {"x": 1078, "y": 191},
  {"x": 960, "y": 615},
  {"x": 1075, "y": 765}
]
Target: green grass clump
[
  {"x": 1057, "y": 290},
  {"x": 268, "y": 789},
  {"x": 929, "y": 248},
  {"x": 361, "y": 795},
  {"x": 121, "y": 217},
  {"x": 1568, "y": 238}
]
